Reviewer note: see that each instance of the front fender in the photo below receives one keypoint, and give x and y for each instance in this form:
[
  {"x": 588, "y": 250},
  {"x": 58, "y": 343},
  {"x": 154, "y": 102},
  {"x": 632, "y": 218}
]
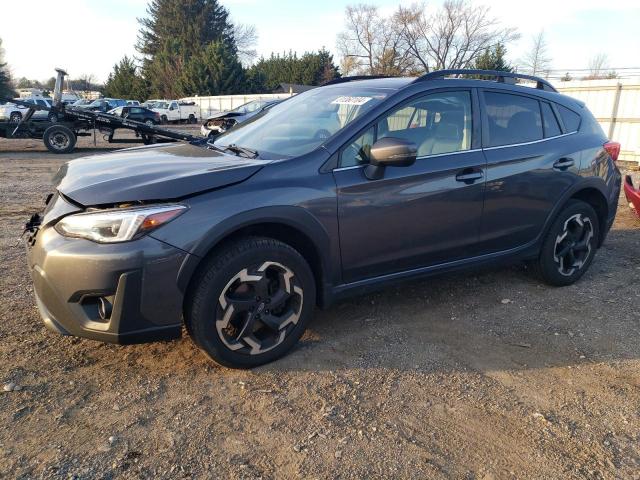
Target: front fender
[{"x": 291, "y": 216}]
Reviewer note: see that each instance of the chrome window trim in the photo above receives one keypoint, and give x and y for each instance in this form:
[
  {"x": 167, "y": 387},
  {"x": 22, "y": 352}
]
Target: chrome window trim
[
  {"x": 529, "y": 143},
  {"x": 457, "y": 152},
  {"x": 468, "y": 151}
]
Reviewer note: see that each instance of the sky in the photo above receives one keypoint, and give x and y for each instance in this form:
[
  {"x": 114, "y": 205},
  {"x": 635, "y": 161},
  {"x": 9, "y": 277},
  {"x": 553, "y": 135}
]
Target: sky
[{"x": 90, "y": 36}]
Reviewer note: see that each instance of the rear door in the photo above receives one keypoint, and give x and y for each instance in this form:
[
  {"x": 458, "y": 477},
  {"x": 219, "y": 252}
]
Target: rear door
[
  {"x": 528, "y": 167},
  {"x": 417, "y": 216}
]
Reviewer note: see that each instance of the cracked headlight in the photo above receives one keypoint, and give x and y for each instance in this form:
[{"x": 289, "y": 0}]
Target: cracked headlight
[{"x": 117, "y": 225}]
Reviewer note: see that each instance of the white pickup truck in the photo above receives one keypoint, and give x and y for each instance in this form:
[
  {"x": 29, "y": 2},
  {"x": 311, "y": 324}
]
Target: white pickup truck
[{"x": 176, "y": 111}]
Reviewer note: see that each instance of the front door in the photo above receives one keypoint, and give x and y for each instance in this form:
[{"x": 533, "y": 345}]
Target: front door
[{"x": 422, "y": 215}]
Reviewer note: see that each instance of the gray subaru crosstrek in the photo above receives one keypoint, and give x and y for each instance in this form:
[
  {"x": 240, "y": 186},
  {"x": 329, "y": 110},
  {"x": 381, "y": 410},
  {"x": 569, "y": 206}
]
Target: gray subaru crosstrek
[{"x": 345, "y": 188}]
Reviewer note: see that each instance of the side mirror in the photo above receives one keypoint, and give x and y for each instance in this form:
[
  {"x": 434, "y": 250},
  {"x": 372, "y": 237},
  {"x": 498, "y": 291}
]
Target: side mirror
[{"x": 390, "y": 152}]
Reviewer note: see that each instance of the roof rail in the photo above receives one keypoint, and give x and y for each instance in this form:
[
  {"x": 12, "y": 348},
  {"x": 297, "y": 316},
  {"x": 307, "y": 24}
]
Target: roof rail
[
  {"x": 354, "y": 78},
  {"x": 500, "y": 76}
]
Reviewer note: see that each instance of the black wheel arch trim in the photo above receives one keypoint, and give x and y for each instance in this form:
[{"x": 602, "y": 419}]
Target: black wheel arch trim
[
  {"x": 592, "y": 183},
  {"x": 289, "y": 216}
]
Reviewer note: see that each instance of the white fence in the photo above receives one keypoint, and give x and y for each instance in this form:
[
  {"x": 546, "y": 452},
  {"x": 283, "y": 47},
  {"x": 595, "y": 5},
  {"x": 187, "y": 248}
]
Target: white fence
[
  {"x": 616, "y": 105},
  {"x": 223, "y": 103}
]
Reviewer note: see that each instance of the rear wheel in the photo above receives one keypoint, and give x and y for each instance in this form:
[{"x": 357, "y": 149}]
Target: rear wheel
[
  {"x": 570, "y": 244},
  {"x": 251, "y": 302},
  {"x": 149, "y": 122},
  {"x": 192, "y": 118},
  {"x": 59, "y": 139},
  {"x": 15, "y": 117},
  {"x": 164, "y": 119}
]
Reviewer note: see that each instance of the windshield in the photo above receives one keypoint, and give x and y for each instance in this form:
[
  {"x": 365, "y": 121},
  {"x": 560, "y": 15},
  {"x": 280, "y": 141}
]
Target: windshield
[{"x": 304, "y": 122}]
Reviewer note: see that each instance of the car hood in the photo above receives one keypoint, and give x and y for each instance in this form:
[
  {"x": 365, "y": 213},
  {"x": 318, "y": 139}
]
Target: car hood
[{"x": 158, "y": 172}]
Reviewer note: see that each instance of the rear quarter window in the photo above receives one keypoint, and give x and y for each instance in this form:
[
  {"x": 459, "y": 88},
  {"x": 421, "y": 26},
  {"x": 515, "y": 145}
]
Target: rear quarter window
[
  {"x": 551, "y": 126},
  {"x": 570, "y": 119},
  {"x": 512, "y": 119}
]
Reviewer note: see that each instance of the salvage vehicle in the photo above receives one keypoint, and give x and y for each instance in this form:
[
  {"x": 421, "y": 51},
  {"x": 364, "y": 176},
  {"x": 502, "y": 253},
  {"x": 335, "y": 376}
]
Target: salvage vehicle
[
  {"x": 223, "y": 121},
  {"x": 240, "y": 238},
  {"x": 632, "y": 192},
  {"x": 13, "y": 111},
  {"x": 139, "y": 114},
  {"x": 104, "y": 104},
  {"x": 176, "y": 111}
]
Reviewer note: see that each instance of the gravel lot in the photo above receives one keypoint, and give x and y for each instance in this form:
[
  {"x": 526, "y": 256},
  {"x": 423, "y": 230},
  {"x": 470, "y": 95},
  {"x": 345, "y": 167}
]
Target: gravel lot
[{"x": 488, "y": 375}]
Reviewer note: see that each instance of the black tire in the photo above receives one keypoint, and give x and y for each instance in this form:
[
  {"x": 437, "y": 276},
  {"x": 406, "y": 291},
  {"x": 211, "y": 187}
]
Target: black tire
[
  {"x": 52, "y": 117},
  {"x": 59, "y": 139},
  {"x": 149, "y": 122},
  {"x": 164, "y": 120},
  {"x": 15, "y": 117},
  {"x": 192, "y": 119},
  {"x": 570, "y": 245},
  {"x": 227, "y": 317}
]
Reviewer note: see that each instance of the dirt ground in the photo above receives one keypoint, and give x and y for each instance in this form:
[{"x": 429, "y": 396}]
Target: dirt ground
[{"x": 486, "y": 375}]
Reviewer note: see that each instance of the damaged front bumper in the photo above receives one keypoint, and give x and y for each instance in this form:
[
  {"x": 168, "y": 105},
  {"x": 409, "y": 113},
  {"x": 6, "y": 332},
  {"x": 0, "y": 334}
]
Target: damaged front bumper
[{"x": 117, "y": 293}]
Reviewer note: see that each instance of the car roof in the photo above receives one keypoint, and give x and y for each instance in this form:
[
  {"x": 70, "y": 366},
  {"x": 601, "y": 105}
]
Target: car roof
[
  {"x": 394, "y": 83},
  {"x": 397, "y": 83}
]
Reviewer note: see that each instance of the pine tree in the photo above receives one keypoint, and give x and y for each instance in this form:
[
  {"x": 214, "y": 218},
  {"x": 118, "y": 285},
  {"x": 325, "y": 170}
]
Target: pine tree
[
  {"x": 216, "y": 70},
  {"x": 494, "y": 59},
  {"x": 174, "y": 32},
  {"x": 125, "y": 82},
  {"x": 313, "y": 68},
  {"x": 6, "y": 88}
]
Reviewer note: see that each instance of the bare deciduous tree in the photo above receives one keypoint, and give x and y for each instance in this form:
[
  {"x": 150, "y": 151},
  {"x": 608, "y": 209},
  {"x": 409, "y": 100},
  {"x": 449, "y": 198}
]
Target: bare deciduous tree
[
  {"x": 454, "y": 36},
  {"x": 414, "y": 41},
  {"x": 246, "y": 37},
  {"x": 597, "y": 65},
  {"x": 537, "y": 60}
]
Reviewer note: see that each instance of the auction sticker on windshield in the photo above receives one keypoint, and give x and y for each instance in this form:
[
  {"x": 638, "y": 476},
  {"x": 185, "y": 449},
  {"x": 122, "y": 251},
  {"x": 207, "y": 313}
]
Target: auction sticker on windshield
[{"x": 351, "y": 100}]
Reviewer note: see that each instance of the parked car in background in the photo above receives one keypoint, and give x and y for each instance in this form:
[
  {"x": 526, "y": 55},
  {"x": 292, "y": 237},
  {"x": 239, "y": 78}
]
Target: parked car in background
[
  {"x": 223, "y": 121},
  {"x": 133, "y": 103},
  {"x": 240, "y": 237},
  {"x": 105, "y": 104},
  {"x": 81, "y": 102},
  {"x": 13, "y": 112},
  {"x": 152, "y": 102},
  {"x": 176, "y": 111},
  {"x": 139, "y": 114},
  {"x": 632, "y": 191}
]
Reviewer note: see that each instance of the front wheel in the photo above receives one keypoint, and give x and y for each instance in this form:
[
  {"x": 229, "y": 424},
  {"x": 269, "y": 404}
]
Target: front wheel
[
  {"x": 570, "y": 245},
  {"x": 251, "y": 302}
]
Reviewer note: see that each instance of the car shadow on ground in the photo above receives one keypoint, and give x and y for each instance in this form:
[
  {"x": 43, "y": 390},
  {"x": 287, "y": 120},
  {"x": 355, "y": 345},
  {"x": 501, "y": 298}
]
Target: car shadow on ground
[{"x": 489, "y": 319}]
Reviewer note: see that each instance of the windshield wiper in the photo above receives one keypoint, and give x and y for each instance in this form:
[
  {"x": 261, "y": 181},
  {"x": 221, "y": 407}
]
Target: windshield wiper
[
  {"x": 248, "y": 152},
  {"x": 232, "y": 147}
]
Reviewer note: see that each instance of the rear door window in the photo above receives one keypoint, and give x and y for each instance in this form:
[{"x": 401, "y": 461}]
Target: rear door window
[
  {"x": 551, "y": 126},
  {"x": 512, "y": 119},
  {"x": 570, "y": 119}
]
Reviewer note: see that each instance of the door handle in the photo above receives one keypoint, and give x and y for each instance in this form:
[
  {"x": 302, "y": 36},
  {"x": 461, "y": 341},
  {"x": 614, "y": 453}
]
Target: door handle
[
  {"x": 563, "y": 163},
  {"x": 469, "y": 176}
]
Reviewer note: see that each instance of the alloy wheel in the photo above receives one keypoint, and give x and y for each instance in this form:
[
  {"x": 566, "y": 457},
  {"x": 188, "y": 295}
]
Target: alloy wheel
[
  {"x": 573, "y": 244},
  {"x": 258, "y": 308}
]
